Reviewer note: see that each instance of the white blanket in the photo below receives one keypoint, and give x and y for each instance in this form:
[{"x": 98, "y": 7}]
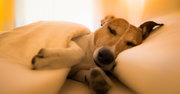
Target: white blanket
[{"x": 17, "y": 48}]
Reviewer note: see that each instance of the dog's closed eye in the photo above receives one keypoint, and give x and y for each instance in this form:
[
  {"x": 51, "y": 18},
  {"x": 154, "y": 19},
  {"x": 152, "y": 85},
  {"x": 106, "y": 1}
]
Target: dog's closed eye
[
  {"x": 112, "y": 31},
  {"x": 130, "y": 44}
]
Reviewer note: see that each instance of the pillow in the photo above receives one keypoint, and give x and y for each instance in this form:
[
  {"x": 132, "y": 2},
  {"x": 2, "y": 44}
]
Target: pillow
[{"x": 154, "y": 66}]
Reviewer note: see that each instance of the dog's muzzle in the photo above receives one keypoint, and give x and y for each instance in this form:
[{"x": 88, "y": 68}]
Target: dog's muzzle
[
  {"x": 105, "y": 59},
  {"x": 105, "y": 56}
]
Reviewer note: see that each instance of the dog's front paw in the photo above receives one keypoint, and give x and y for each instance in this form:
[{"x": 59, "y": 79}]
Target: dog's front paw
[
  {"x": 98, "y": 82},
  {"x": 56, "y": 58},
  {"x": 42, "y": 59}
]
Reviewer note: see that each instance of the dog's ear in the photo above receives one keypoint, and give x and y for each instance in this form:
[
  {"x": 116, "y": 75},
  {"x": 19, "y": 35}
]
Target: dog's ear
[
  {"x": 147, "y": 27},
  {"x": 107, "y": 19}
]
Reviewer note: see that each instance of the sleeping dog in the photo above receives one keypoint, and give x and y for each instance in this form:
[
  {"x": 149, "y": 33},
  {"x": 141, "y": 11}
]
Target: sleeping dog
[{"x": 115, "y": 36}]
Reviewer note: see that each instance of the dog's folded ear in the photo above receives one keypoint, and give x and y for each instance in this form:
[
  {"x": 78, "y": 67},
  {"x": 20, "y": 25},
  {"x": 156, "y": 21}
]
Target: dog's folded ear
[
  {"x": 107, "y": 19},
  {"x": 147, "y": 27}
]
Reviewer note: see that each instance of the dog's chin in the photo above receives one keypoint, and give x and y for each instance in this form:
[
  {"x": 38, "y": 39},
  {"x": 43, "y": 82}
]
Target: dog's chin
[
  {"x": 97, "y": 64},
  {"x": 105, "y": 68}
]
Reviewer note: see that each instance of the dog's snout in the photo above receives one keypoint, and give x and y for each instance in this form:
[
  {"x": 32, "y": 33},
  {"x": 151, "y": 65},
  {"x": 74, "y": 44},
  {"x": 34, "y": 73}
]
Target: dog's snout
[{"x": 105, "y": 56}]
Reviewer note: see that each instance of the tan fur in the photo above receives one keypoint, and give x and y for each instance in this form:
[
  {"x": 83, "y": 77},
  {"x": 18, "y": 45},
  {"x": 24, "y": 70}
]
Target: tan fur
[
  {"x": 107, "y": 19},
  {"x": 125, "y": 32}
]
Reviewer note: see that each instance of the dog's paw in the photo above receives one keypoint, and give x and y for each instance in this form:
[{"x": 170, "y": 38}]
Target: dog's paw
[
  {"x": 42, "y": 59},
  {"x": 98, "y": 82},
  {"x": 56, "y": 58}
]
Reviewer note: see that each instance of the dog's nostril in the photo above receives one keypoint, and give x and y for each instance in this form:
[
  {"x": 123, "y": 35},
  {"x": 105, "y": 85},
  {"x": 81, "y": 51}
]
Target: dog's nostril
[
  {"x": 100, "y": 55},
  {"x": 105, "y": 56},
  {"x": 107, "y": 60}
]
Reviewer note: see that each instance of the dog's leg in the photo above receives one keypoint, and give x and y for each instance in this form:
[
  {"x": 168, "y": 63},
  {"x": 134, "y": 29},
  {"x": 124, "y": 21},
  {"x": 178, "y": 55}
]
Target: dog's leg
[
  {"x": 81, "y": 76},
  {"x": 56, "y": 58}
]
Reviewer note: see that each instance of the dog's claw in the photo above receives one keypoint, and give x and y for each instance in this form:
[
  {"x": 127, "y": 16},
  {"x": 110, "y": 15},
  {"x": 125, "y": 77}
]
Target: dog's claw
[
  {"x": 33, "y": 60},
  {"x": 33, "y": 68},
  {"x": 40, "y": 55}
]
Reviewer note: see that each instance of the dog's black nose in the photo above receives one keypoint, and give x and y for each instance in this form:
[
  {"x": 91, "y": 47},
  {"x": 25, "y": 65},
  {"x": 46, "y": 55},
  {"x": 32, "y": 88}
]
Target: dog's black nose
[{"x": 105, "y": 56}]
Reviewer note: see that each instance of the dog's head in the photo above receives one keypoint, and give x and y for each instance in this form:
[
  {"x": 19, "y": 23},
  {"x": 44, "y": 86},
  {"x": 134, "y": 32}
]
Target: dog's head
[{"x": 115, "y": 36}]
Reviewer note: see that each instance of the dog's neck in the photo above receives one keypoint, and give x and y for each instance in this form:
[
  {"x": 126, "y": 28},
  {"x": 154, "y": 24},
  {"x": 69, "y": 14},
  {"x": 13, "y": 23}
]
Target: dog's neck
[
  {"x": 91, "y": 43},
  {"x": 87, "y": 61},
  {"x": 90, "y": 49}
]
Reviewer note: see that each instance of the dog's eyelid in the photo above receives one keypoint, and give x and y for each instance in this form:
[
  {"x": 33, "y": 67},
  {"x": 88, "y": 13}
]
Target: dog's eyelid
[
  {"x": 130, "y": 44},
  {"x": 112, "y": 31}
]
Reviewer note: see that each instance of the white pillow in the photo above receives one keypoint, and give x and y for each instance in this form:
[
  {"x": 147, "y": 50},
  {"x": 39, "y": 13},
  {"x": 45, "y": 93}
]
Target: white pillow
[{"x": 154, "y": 66}]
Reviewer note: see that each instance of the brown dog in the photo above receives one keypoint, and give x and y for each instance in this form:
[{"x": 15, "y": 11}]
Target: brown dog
[{"x": 115, "y": 36}]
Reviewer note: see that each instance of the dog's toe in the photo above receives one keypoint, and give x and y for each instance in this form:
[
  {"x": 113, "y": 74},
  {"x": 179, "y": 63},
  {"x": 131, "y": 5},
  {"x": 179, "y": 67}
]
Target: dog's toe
[
  {"x": 40, "y": 53},
  {"x": 95, "y": 73},
  {"x": 33, "y": 68},
  {"x": 33, "y": 60}
]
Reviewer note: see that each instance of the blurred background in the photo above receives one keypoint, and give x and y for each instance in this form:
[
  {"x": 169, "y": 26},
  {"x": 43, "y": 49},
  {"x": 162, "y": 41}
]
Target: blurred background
[{"x": 16, "y": 13}]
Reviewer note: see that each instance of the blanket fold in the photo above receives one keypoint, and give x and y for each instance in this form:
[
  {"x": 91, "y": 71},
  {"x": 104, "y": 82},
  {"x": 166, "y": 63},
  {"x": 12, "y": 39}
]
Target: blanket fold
[{"x": 17, "y": 48}]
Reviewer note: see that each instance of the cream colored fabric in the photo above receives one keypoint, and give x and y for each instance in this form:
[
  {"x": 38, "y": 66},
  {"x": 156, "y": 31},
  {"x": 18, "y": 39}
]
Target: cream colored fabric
[
  {"x": 17, "y": 48},
  {"x": 74, "y": 87},
  {"x": 154, "y": 66}
]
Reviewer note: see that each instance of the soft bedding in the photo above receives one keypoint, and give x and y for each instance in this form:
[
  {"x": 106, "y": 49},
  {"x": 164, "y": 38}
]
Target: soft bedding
[
  {"x": 17, "y": 48},
  {"x": 154, "y": 66},
  {"x": 150, "y": 68}
]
